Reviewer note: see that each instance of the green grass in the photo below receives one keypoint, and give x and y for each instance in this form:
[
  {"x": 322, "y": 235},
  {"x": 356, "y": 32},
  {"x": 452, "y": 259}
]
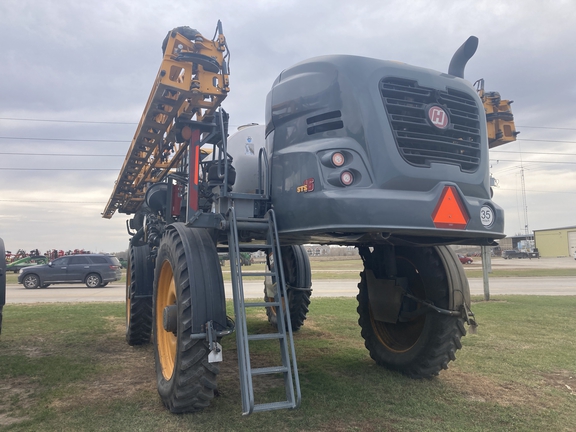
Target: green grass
[{"x": 67, "y": 368}]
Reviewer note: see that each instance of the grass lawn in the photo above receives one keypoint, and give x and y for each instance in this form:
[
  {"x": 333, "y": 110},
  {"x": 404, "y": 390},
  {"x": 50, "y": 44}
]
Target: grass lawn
[{"x": 66, "y": 367}]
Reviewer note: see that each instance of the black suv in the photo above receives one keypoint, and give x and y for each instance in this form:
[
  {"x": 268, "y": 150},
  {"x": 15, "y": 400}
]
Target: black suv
[{"x": 95, "y": 270}]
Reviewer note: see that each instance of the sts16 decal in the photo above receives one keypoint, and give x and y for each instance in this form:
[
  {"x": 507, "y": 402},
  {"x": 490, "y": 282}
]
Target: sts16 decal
[{"x": 308, "y": 186}]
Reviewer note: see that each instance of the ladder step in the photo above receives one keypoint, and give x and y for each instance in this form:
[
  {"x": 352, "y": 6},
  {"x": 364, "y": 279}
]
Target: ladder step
[
  {"x": 254, "y": 246},
  {"x": 245, "y": 219},
  {"x": 269, "y": 370},
  {"x": 246, "y": 274},
  {"x": 252, "y": 226},
  {"x": 262, "y": 304},
  {"x": 266, "y": 336},
  {"x": 273, "y": 406}
]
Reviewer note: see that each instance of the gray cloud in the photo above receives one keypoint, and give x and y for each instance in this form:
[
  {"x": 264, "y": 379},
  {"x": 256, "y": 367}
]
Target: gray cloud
[{"x": 69, "y": 60}]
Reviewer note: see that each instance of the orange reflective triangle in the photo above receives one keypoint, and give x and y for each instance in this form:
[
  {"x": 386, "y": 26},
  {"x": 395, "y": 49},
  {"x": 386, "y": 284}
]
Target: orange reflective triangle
[{"x": 450, "y": 212}]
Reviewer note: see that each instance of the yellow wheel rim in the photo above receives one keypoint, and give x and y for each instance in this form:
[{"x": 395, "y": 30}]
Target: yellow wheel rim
[{"x": 166, "y": 341}]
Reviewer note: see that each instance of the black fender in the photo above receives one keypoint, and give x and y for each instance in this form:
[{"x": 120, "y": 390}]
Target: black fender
[
  {"x": 144, "y": 269},
  {"x": 206, "y": 283},
  {"x": 459, "y": 290}
]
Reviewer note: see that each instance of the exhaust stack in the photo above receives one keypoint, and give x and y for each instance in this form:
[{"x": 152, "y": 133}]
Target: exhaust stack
[{"x": 461, "y": 57}]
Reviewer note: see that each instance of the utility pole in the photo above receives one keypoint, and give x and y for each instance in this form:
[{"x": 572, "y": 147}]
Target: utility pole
[
  {"x": 524, "y": 205},
  {"x": 486, "y": 268}
]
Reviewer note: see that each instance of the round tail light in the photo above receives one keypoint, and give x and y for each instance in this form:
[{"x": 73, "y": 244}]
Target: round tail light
[
  {"x": 338, "y": 159},
  {"x": 347, "y": 178}
]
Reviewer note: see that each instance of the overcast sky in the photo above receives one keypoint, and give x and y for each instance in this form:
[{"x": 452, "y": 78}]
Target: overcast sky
[{"x": 75, "y": 76}]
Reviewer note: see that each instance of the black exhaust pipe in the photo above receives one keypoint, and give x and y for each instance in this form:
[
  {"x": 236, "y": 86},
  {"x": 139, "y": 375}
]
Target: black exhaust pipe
[{"x": 461, "y": 57}]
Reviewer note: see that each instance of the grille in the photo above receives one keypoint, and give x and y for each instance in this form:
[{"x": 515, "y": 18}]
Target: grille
[
  {"x": 324, "y": 122},
  {"x": 419, "y": 142}
]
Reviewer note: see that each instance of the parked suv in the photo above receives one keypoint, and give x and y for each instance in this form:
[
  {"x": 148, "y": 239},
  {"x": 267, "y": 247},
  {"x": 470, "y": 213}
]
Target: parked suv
[{"x": 95, "y": 270}]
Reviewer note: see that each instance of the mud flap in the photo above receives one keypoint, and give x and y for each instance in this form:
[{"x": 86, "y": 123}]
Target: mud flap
[{"x": 385, "y": 296}]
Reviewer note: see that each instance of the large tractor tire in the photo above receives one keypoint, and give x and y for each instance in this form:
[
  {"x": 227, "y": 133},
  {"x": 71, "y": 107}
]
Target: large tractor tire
[
  {"x": 188, "y": 292},
  {"x": 298, "y": 277},
  {"x": 2, "y": 280},
  {"x": 139, "y": 284},
  {"x": 423, "y": 345}
]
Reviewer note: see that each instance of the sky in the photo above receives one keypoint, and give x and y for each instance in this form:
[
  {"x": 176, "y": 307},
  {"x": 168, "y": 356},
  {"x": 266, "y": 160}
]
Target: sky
[{"x": 75, "y": 77}]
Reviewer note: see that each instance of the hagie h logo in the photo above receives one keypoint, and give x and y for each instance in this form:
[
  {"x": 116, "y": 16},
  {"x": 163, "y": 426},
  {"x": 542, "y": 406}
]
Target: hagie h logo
[{"x": 438, "y": 117}]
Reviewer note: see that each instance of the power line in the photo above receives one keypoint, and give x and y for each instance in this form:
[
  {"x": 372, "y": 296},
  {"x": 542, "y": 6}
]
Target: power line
[
  {"x": 532, "y": 162},
  {"x": 59, "y": 169},
  {"x": 52, "y": 201},
  {"x": 537, "y": 191},
  {"x": 546, "y": 127},
  {"x": 528, "y": 152},
  {"x": 126, "y": 141},
  {"x": 62, "y": 154},
  {"x": 134, "y": 123},
  {"x": 540, "y": 140},
  {"x": 67, "y": 121},
  {"x": 64, "y": 139}
]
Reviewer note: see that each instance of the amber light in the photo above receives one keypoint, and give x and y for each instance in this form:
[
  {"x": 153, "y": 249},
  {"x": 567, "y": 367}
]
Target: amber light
[{"x": 338, "y": 159}]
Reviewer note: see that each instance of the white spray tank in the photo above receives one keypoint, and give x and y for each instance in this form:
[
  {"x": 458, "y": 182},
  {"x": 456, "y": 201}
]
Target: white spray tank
[{"x": 244, "y": 147}]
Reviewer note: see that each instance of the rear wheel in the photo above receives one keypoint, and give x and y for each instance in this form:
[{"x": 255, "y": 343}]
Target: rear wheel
[
  {"x": 188, "y": 292},
  {"x": 93, "y": 280},
  {"x": 423, "y": 345},
  {"x": 298, "y": 278},
  {"x": 31, "y": 281},
  {"x": 139, "y": 282}
]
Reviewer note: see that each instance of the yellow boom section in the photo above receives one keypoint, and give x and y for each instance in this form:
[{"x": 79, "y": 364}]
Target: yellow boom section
[
  {"x": 191, "y": 84},
  {"x": 499, "y": 117}
]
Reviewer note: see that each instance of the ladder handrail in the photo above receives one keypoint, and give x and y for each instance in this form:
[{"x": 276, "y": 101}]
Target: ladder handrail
[
  {"x": 286, "y": 321},
  {"x": 246, "y": 389},
  {"x": 283, "y": 334}
]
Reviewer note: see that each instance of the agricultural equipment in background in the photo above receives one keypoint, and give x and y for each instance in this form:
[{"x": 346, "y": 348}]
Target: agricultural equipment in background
[
  {"x": 384, "y": 156},
  {"x": 28, "y": 261}
]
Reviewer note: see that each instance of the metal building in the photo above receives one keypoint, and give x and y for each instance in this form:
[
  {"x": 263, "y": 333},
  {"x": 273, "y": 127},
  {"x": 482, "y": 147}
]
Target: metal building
[{"x": 556, "y": 242}]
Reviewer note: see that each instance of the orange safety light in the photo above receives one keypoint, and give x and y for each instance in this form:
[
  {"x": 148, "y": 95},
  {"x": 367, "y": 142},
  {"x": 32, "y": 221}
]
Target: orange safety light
[{"x": 450, "y": 211}]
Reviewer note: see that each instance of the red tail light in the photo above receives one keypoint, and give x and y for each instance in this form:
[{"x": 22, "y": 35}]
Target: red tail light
[{"x": 347, "y": 178}]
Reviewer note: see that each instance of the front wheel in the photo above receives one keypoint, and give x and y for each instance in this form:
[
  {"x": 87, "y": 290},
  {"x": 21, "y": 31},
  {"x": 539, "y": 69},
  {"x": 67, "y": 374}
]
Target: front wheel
[
  {"x": 188, "y": 292},
  {"x": 424, "y": 343},
  {"x": 31, "y": 281}
]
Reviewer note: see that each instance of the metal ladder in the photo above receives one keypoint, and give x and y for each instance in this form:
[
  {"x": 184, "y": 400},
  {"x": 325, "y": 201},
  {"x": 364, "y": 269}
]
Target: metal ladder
[{"x": 267, "y": 226}]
